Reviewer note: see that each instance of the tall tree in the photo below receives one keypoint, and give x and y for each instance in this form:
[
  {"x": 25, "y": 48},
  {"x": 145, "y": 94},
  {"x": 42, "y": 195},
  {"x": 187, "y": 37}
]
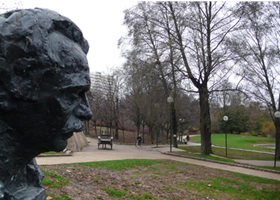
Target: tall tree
[
  {"x": 144, "y": 92},
  {"x": 105, "y": 98},
  {"x": 257, "y": 46},
  {"x": 199, "y": 31},
  {"x": 149, "y": 28},
  {"x": 185, "y": 40}
]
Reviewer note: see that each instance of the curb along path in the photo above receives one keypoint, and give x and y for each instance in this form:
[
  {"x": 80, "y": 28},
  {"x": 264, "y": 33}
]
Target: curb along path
[
  {"x": 92, "y": 153},
  {"x": 229, "y": 167}
]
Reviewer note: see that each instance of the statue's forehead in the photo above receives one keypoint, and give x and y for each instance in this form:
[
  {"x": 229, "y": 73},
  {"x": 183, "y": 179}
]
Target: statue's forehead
[
  {"x": 72, "y": 69},
  {"x": 66, "y": 52}
]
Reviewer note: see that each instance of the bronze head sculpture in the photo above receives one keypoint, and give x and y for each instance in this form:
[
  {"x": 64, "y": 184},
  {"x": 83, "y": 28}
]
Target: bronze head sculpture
[{"x": 44, "y": 76}]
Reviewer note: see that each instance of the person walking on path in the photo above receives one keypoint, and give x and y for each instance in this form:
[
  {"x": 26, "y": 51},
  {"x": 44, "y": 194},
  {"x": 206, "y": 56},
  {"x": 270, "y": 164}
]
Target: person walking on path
[{"x": 139, "y": 140}]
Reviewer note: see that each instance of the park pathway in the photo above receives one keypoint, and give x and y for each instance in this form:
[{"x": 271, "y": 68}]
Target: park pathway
[{"x": 92, "y": 153}]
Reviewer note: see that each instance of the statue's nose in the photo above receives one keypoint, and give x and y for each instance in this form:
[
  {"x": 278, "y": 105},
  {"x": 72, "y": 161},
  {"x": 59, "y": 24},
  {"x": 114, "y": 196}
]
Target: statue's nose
[{"x": 83, "y": 110}]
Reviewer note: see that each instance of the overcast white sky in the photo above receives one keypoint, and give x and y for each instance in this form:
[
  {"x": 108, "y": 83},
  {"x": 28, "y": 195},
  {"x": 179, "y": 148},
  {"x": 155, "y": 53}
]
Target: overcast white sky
[{"x": 100, "y": 22}]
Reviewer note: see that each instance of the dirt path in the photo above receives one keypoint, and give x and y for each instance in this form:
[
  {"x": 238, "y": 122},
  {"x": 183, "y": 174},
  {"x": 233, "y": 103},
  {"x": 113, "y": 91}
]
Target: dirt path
[{"x": 119, "y": 152}]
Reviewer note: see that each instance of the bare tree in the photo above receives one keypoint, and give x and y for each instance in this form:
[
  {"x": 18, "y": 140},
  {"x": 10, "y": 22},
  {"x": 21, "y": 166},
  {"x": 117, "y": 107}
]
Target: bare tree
[
  {"x": 200, "y": 31},
  {"x": 105, "y": 96},
  {"x": 257, "y": 46},
  {"x": 185, "y": 40},
  {"x": 151, "y": 47},
  {"x": 144, "y": 92},
  {"x": 6, "y": 6}
]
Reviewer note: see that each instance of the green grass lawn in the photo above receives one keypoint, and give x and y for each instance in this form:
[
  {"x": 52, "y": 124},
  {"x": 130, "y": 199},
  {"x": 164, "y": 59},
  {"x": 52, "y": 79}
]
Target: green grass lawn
[
  {"x": 239, "y": 147},
  {"x": 232, "y": 153},
  {"x": 239, "y": 141}
]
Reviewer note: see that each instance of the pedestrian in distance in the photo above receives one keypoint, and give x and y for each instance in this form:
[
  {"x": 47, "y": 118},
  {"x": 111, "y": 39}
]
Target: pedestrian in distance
[{"x": 139, "y": 140}]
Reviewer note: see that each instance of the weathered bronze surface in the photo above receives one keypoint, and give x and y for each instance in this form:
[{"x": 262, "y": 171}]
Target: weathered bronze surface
[{"x": 44, "y": 76}]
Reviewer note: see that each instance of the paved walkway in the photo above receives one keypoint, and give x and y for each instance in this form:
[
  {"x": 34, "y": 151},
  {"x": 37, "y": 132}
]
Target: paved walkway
[{"x": 119, "y": 152}]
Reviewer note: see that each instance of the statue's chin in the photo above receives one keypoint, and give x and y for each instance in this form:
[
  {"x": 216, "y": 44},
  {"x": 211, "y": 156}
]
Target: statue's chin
[{"x": 58, "y": 145}]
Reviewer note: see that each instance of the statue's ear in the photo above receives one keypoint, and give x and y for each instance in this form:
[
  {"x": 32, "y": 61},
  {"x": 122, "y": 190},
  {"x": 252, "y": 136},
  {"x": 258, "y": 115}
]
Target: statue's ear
[{"x": 17, "y": 80}]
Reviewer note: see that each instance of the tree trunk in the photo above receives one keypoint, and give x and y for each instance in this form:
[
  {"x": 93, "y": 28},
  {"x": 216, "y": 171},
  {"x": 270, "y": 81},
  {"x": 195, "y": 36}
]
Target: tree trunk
[
  {"x": 117, "y": 130},
  {"x": 143, "y": 134},
  {"x": 277, "y": 138},
  {"x": 95, "y": 127},
  {"x": 117, "y": 119},
  {"x": 151, "y": 131},
  {"x": 277, "y": 134},
  {"x": 174, "y": 125},
  {"x": 205, "y": 122}
]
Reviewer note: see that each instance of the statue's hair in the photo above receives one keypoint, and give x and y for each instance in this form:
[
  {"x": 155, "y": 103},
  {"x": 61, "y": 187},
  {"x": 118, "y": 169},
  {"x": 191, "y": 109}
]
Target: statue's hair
[{"x": 25, "y": 49}]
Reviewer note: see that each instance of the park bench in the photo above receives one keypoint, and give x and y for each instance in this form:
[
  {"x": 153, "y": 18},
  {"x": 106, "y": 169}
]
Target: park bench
[{"x": 104, "y": 140}]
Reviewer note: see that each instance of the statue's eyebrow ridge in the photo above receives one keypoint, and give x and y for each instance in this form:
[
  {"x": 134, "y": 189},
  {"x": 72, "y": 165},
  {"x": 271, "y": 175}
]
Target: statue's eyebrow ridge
[{"x": 84, "y": 87}]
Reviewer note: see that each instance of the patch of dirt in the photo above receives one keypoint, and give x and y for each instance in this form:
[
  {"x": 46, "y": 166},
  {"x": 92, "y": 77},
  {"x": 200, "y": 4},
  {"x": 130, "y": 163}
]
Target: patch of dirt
[{"x": 159, "y": 181}]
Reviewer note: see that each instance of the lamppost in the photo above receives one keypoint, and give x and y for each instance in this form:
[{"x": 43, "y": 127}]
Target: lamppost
[
  {"x": 225, "y": 118},
  {"x": 277, "y": 117},
  {"x": 181, "y": 123},
  {"x": 157, "y": 122},
  {"x": 170, "y": 101}
]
